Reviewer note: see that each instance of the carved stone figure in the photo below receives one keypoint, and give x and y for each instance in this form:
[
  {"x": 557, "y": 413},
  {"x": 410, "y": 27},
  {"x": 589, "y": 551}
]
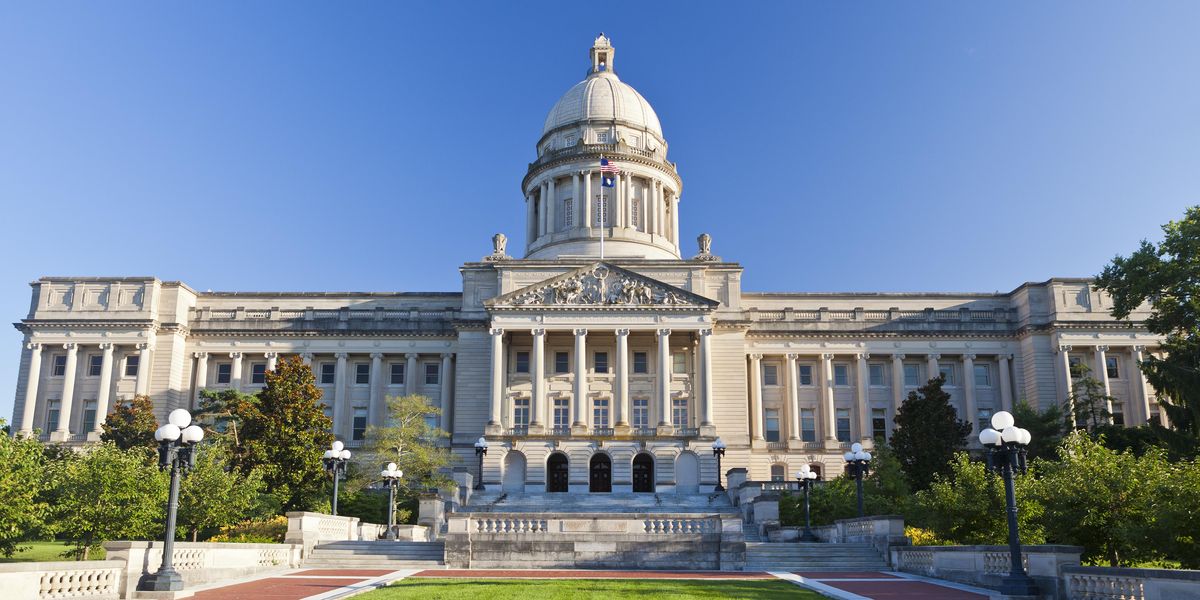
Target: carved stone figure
[
  {"x": 705, "y": 242},
  {"x": 499, "y": 244}
]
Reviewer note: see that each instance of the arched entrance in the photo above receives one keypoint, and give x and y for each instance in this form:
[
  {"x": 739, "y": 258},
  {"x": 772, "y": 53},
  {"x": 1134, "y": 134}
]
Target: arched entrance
[
  {"x": 687, "y": 473},
  {"x": 600, "y": 473},
  {"x": 514, "y": 472},
  {"x": 643, "y": 473},
  {"x": 556, "y": 473}
]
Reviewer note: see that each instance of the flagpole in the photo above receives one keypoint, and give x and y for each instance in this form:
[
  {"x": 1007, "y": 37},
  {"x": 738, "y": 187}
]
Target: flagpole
[{"x": 603, "y": 209}]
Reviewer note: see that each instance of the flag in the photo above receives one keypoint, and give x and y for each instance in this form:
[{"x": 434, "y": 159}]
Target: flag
[{"x": 608, "y": 170}]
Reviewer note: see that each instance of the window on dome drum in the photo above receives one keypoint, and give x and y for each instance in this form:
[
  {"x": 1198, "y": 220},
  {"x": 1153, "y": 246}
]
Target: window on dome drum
[
  {"x": 679, "y": 363},
  {"x": 358, "y": 429},
  {"x": 131, "y": 365},
  {"x": 58, "y": 366},
  {"x": 984, "y": 419},
  {"x": 876, "y": 374},
  {"x": 806, "y": 375},
  {"x": 879, "y": 424},
  {"x": 602, "y": 137},
  {"x": 433, "y": 374},
  {"x": 522, "y": 362},
  {"x": 561, "y": 413},
  {"x": 53, "y": 410},
  {"x": 521, "y": 412},
  {"x": 600, "y": 413},
  {"x": 601, "y": 211},
  {"x": 841, "y": 375},
  {"x": 89, "y": 415},
  {"x": 95, "y": 364},
  {"x": 778, "y": 473},
  {"x": 329, "y": 373},
  {"x": 258, "y": 373},
  {"x": 1118, "y": 413},
  {"x": 912, "y": 375},
  {"x": 362, "y": 374},
  {"x": 600, "y": 363},
  {"x": 562, "y": 363},
  {"x": 641, "y": 413},
  {"x": 843, "y": 424},
  {"x": 808, "y": 425},
  {"x": 983, "y": 376},
  {"x": 770, "y": 375},
  {"x": 397, "y": 374},
  {"x": 568, "y": 214},
  {"x": 224, "y": 373},
  {"x": 1112, "y": 367},
  {"x": 679, "y": 412},
  {"x": 947, "y": 371},
  {"x": 635, "y": 212},
  {"x": 771, "y": 425},
  {"x": 640, "y": 363}
]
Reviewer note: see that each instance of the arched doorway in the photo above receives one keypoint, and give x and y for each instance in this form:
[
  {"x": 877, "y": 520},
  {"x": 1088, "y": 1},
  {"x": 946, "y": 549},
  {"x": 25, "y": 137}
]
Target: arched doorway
[
  {"x": 643, "y": 473},
  {"x": 687, "y": 473},
  {"x": 556, "y": 473},
  {"x": 600, "y": 473},
  {"x": 514, "y": 472}
]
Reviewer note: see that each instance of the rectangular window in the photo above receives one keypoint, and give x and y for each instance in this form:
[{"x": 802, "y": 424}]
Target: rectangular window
[
  {"x": 843, "y": 424},
  {"x": 641, "y": 364},
  {"x": 1112, "y": 367},
  {"x": 131, "y": 365},
  {"x": 876, "y": 374},
  {"x": 562, "y": 363},
  {"x": 641, "y": 413},
  {"x": 600, "y": 413},
  {"x": 358, "y": 429},
  {"x": 947, "y": 371},
  {"x": 879, "y": 424},
  {"x": 1118, "y": 414},
  {"x": 601, "y": 363},
  {"x": 95, "y": 364},
  {"x": 985, "y": 418},
  {"x": 53, "y": 409},
  {"x": 397, "y": 374},
  {"x": 679, "y": 412},
  {"x": 841, "y": 375},
  {"x": 224, "y": 373},
  {"x": 433, "y": 373},
  {"x": 806, "y": 374},
  {"x": 89, "y": 415},
  {"x": 328, "y": 373},
  {"x": 1075, "y": 363},
  {"x": 431, "y": 421},
  {"x": 983, "y": 376},
  {"x": 808, "y": 425},
  {"x": 771, "y": 425},
  {"x": 562, "y": 413},
  {"x": 522, "y": 362},
  {"x": 679, "y": 363},
  {"x": 770, "y": 375},
  {"x": 521, "y": 412},
  {"x": 258, "y": 373},
  {"x": 59, "y": 366},
  {"x": 912, "y": 375},
  {"x": 568, "y": 213},
  {"x": 362, "y": 374}
]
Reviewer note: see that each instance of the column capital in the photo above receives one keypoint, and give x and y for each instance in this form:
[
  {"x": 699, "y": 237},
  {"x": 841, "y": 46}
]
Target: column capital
[
  {"x": 934, "y": 356},
  {"x": 756, "y": 357},
  {"x": 898, "y": 356},
  {"x": 235, "y": 355},
  {"x": 706, "y": 331},
  {"x": 376, "y": 356},
  {"x": 1101, "y": 348},
  {"x": 826, "y": 357},
  {"x": 411, "y": 355},
  {"x": 1064, "y": 348},
  {"x": 862, "y": 355},
  {"x": 341, "y": 355},
  {"x": 270, "y": 355},
  {"x": 446, "y": 355},
  {"x": 70, "y": 346},
  {"x": 537, "y": 332},
  {"x": 306, "y": 356},
  {"x": 199, "y": 355},
  {"x": 1004, "y": 356},
  {"x": 106, "y": 346},
  {"x": 968, "y": 357},
  {"x": 580, "y": 332},
  {"x": 496, "y": 331},
  {"x": 622, "y": 332},
  {"x": 35, "y": 346},
  {"x": 1139, "y": 348},
  {"x": 791, "y": 357},
  {"x": 664, "y": 332}
]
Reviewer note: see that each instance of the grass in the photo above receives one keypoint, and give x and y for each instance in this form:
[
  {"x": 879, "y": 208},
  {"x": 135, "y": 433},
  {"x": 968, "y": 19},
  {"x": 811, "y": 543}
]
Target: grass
[
  {"x": 46, "y": 552},
  {"x": 571, "y": 589}
]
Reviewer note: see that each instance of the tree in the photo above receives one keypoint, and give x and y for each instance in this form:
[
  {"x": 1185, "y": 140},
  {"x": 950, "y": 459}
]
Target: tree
[
  {"x": 213, "y": 494},
  {"x": 1046, "y": 429},
  {"x": 1167, "y": 276},
  {"x": 131, "y": 424},
  {"x": 1177, "y": 529},
  {"x": 928, "y": 433},
  {"x": 1088, "y": 401},
  {"x": 411, "y": 442},
  {"x": 106, "y": 493},
  {"x": 967, "y": 506},
  {"x": 885, "y": 492},
  {"x": 23, "y": 507}
]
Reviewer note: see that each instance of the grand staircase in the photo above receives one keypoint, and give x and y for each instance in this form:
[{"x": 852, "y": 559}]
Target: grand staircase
[
  {"x": 377, "y": 555},
  {"x": 793, "y": 556}
]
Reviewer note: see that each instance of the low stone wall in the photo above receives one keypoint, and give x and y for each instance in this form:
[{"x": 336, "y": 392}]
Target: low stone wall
[
  {"x": 985, "y": 566},
  {"x": 91, "y": 579},
  {"x": 309, "y": 529},
  {"x": 199, "y": 562},
  {"x": 610, "y": 541},
  {"x": 1103, "y": 583}
]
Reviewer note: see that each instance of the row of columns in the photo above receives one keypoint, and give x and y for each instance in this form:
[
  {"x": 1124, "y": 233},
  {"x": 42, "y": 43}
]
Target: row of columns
[
  {"x": 68, "y": 392},
  {"x": 660, "y": 215},
  {"x": 376, "y": 407},
  {"x": 1100, "y": 373}
]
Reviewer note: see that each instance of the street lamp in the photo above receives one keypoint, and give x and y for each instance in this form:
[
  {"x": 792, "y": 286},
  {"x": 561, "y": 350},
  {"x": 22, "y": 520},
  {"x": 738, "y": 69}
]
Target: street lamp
[
  {"x": 391, "y": 477},
  {"x": 858, "y": 463},
  {"x": 807, "y": 477},
  {"x": 481, "y": 447},
  {"x": 718, "y": 451},
  {"x": 176, "y": 451},
  {"x": 335, "y": 460},
  {"x": 1006, "y": 455}
]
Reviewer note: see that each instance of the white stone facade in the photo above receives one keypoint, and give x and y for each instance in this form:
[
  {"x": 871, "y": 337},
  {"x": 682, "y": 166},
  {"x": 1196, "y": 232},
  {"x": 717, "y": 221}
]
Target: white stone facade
[{"x": 624, "y": 367}]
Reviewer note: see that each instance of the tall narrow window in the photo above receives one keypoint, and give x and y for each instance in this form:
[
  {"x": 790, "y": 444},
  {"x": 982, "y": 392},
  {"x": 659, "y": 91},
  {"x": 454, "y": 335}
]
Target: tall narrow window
[
  {"x": 806, "y": 375},
  {"x": 985, "y": 418},
  {"x": 568, "y": 213},
  {"x": 89, "y": 415},
  {"x": 224, "y": 373},
  {"x": 843, "y": 424},
  {"x": 771, "y": 425},
  {"x": 641, "y": 413},
  {"x": 876, "y": 374},
  {"x": 635, "y": 213},
  {"x": 679, "y": 363},
  {"x": 1112, "y": 366},
  {"x": 641, "y": 364},
  {"x": 53, "y": 410},
  {"x": 329, "y": 373},
  {"x": 983, "y": 376},
  {"x": 362, "y": 374},
  {"x": 358, "y": 429},
  {"x": 59, "y": 366},
  {"x": 600, "y": 362},
  {"x": 433, "y": 373},
  {"x": 132, "y": 362},
  {"x": 1118, "y": 414},
  {"x": 521, "y": 412},
  {"x": 522, "y": 362},
  {"x": 562, "y": 362},
  {"x": 778, "y": 473},
  {"x": 600, "y": 413},
  {"x": 258, "y": 373},
  {"x": 947, "y": 371},
  {"x": 562, "y": 414},
  {"x": 397, "y": 374},
  {"x": 808, "y": 425},
  {"x": 841, "y": 375},
  {"x": 600, "y": 215},
  {"x": 879, "y": 424},
  {"x": 679, "y": 413},
  {"x": 770, "y": 375},
  {"x": 912, "y": 375},
  {"x": 95, "y": 363}
]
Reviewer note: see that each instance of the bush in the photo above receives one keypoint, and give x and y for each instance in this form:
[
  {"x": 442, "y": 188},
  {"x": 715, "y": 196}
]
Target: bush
[
  {"x": 923, "y": 537},
  {"x": 270, "y": 531}
]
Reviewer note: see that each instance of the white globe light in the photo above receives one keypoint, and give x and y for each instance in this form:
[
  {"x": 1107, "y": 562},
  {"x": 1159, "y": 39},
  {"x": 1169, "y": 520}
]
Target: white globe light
[
  {"x": 337, "y": 446},
  {"x": 180, "y": 418},
  {"x": 192, "y": 434},
  {"x": 345, "y": 454},
  {"x": 383, "y": 473},
  {"x": 989, "y": 437},
  {"x": 866, "y": 456},
  {"x": 482, "y": 443},
  {"x": 399, "y": 473},
  {"x": 849, "y": 456},
  {"x": 167, "y": 432},
  {"x": 1002, "y": 420},
  {"x": 1026, "y": 437},
  {"x": 329, "y": 454},
  {"x": 1010, "y": 434},
  {"x": 391, "y": 466},
  {"x": 856, "y": 447},
  {"x": 812, "y": 474}
]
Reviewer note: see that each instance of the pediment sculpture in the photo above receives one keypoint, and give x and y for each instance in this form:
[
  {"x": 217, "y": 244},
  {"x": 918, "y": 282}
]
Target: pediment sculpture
[{"x": 602, "y": 285}]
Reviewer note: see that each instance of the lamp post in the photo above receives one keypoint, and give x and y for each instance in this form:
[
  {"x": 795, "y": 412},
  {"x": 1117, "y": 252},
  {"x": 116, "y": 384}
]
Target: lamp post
[
  {"x": 391, "y": 477},
  {"x": 335, "y": 460},
  {"x": 858, "y": 463},
  {"x": 718, "y": 451},
  {"x": 1006, "y": 455},
  {"x": 176, "y": 451},
  {"x": 481, "y": 447},
  {"x": 806, "y": 477}
]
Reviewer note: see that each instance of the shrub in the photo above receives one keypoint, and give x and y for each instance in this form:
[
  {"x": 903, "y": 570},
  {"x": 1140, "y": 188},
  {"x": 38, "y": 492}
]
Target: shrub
[{"x": 270, "y": 531}]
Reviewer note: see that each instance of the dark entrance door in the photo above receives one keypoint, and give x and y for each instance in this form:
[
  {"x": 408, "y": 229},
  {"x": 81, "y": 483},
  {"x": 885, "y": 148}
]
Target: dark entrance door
[
  {"x": 643, "y": 473},
  {"x": 556, "y": 473},
  {"x": 600, "y": 479}
]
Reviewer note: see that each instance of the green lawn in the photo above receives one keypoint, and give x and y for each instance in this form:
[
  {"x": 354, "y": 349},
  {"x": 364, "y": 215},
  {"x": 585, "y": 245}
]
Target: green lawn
[
  {"x": 570, "y": 589},
  {"x": 47, "y": 551}
]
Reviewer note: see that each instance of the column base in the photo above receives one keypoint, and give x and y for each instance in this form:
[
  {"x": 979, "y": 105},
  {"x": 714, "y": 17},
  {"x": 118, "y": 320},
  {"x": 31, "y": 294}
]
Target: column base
[
  {"x": 94, "y": 436},
  {"x": 493, "y": 429},
  {"x": 622, "y": 429},
  {"x": 795, "y": 444},
  {"x": 868, "y": 443},
  {"x": 832, "y": 444},
  {"x": 578, "y": 429},
  {"x": 665, "y": 429},
  {"x": 758, "y": 444},
  {"x": 536, "y": 429},
  {"x": 59, "y": 436},
  {"x": 708, "y": 430}
]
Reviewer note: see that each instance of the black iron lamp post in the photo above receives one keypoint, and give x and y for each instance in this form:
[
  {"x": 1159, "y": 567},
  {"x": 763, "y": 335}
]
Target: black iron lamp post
[
  {"x": 806, "y": 477},
  {"x": 1006, "y": 455},
  {"x": 858, "y": 463},
  {"x": 391, "y": 477},
  {"x": 718, "y": 451},
  {"x": 176, "y": 451},
  {"x": 335, "y": 459},
  {"x": 481, "y": 447}
]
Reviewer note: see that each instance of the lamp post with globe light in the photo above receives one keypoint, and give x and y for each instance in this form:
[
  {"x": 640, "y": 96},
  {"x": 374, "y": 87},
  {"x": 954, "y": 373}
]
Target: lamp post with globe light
[
  {"x": 481, "y": 447},
  {"x": 1006, "y": 451},
  {"x": 176, "y": 451},
  {"x": 718, "y": 447},
  {"x": 335, "y": 460},
  {"x": 391, "y": 477},
  {"x": 858, "y": 463},
  {"x": 806, "y": 477}
]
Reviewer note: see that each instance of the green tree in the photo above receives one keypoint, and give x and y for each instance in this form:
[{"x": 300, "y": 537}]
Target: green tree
[
  {"x": 23, "y": 507},
  {"x": 219, "y": 412},
  {"x": 1178, "y": 445},
  {"x": 967, "y": 506},
  {"x": 1167, "y": 276},
  {"x": 214, "y": 495},
  {"x": 131, "y": 424},
  {"x": 885, "y": 492},
  {"x": 928, "y": 433},
  {"x": 106, "y": 493},
  {"x": 410, "y": 441},
  {"x": 1177, "y": 529},
  {"x": 1088, "y": 400},
  {"x": 1046, "y": 428}
]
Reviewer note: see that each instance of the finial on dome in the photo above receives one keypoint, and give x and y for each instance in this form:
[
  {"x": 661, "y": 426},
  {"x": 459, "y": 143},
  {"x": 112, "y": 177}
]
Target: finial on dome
[{"x": 602, "y": 55}]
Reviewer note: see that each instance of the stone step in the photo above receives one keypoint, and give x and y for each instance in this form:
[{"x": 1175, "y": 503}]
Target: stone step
[
  {"x": 395, "y": 565},
  {"x": 389, "y": 555}
]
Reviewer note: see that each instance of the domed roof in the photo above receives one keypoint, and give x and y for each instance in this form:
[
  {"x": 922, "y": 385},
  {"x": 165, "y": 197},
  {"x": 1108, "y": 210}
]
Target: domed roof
[{"x": 603, "y": 97}]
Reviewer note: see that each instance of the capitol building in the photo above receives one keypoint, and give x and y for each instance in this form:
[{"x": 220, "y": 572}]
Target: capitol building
[{"x": 606, "y": 355}]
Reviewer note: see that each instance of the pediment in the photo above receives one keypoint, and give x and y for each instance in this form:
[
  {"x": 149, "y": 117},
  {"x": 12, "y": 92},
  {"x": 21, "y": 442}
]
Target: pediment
[{"x": 602, "y": 285}]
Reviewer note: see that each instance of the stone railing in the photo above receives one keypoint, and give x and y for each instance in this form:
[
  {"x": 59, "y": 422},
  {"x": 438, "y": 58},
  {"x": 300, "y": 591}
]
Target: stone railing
[
  {"x": 200, "y": 562},
  {"x": 985, "y": 566},
  {"x": 274, "y": 319},
  {"x": 882, "y": 532},
  {"x": 1104, "y": 583},
  {"x": 99, "y": 579},
  {"x": 892, "y": 319},
  {"x": 309, "y": 529}
]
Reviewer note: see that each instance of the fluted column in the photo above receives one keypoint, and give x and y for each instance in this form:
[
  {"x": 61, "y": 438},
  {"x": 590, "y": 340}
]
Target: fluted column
[
  {"x": 551, "y": 207},
  {"x": 864, "y": 399},
  {"x": 931, "y": 365},
  {"x": 618, "y": 201},
  {"x": 339, "y": 393},
  {"x": 410, "y": 373},
  {"x": 580, "y": 205},
  {"x": 622, "y": 391},
  {"x": 68, "y": 392},
  {"x": 587, "y": 199},
  {"x": 201, "y": 375},
  {"x": 968, "y": 386},
  {"x": 756, "y": 411},
  {"x": 530, "y": 218},
  {"x": 375, "y": 409},
  {"x": 1102, "y": 377},
  {"x": 444, "y": 389},
  {"x": 627, "y": 201},
  {"x": 537, "y": 365},
  {"x": 141, "y": 385},
  {"x": 235, "y": 379},
  {"x": 793, "y": 397},
  {"x": 827, "y": 403},
  {"x": 897, "y": 382},
  {"x": 706, "y": 377},
  {"x": 543, "y": 208},
  {"x": 664, "y": 378},
  {"x": 272, "y": 360},
  {"x": 579, "y": 418},
  {"x": 675, "y": 219},
  {"x": 1006, "y": 395},
  {"x": 1139, "y": 384},
  {"x": 652, "y": 206},
  {"x": 32, "y": 379},
  {"x": 497, "y": 381},
  {"x": 1064, "y": 353},
  {"x": 102, "y": 394},
  {"x": 664, "y": 227}
]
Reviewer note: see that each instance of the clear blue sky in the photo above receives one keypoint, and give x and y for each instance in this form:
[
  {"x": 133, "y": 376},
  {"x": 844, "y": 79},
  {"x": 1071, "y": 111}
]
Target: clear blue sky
[{"x": 960, "y": 146}]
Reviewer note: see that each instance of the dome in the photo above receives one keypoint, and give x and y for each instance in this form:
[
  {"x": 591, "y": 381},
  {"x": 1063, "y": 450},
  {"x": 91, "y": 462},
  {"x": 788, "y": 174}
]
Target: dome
[{"x": 603, "y": 97}]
